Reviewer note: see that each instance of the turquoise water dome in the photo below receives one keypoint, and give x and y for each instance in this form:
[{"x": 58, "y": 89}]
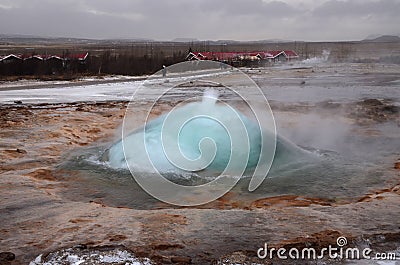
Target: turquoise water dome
[
  {"x": 205, "y": 138},
  {"x": 199, "y": 150}
]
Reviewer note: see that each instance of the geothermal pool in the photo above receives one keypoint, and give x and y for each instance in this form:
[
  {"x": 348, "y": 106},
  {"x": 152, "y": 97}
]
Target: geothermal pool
[{"x": 337, "y": 136}]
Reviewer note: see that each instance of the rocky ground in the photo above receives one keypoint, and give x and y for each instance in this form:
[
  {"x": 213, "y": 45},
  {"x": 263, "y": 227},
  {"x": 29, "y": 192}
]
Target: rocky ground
[{"x": 37, "y": 219}]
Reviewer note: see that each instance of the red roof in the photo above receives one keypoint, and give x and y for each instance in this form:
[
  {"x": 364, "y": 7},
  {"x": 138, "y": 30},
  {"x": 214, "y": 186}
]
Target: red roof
[
  {"x": 215, "y": 55},
  {"x": 223, "y": 56},
  {"x": 77, "y": 56},
  {"x": 273, "y": 54},
  {"x": 291, "y": 54}
]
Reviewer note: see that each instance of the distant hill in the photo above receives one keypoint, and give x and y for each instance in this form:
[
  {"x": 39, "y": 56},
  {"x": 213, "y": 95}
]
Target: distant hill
[
  {"x": 19, "y": 38},
  {"x": 32, "y": 39},
  {"x": 219, "y": 42},
  {"x": 383, "y": 38},
  {"x": 185, "y": 40}
]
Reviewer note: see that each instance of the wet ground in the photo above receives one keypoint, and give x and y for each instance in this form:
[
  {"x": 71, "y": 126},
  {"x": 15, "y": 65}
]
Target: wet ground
[{"x": 55, "y": 195}]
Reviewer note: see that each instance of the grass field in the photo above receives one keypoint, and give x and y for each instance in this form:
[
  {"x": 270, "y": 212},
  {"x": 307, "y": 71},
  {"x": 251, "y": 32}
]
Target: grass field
[{"x": 143, "y": 58}]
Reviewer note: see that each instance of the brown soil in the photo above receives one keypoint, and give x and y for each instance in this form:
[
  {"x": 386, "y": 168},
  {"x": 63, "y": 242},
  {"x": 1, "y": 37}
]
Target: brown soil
[{"x": 35, "y": 217}]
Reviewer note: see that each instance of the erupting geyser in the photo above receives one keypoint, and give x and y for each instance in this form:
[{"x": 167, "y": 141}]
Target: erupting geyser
[
  {"x": 200, "y": 149},
  {"x": 197, "y": 137}
]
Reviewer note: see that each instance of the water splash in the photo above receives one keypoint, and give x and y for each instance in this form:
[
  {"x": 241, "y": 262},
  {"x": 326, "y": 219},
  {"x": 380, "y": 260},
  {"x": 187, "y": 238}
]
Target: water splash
[{"x": 210, "y": 97}]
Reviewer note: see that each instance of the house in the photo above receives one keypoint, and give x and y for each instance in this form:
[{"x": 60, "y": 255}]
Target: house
[
  {"x": 192, "y": 56},
  {"x": 31, "y": 64},
  {"x": 281, "y": 56},
  {"x": 214, "y": 56},
  {"x": 271, "y": 56},
  {"x": 275, "y": 56},
  {"x": 291, "y": 55},
  {"x": 53, "y": 58},
  {"x": 11, "y": 58},
  {"x": 24, "y": 57},
  {"x": 79, "y": 56},
  {"x": 33, "y": 58}
]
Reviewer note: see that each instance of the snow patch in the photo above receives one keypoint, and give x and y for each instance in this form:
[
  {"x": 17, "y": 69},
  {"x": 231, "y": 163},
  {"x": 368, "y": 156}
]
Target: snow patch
[{"x": 78, "y": 256}]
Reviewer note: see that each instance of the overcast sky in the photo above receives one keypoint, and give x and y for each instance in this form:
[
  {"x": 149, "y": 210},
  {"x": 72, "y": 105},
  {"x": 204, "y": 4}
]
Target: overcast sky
[{"x": 314, "y": 20}]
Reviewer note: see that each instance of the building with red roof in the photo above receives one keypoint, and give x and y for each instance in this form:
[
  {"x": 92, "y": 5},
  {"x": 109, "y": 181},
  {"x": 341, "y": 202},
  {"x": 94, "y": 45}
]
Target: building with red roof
[
  {"x": 44, "y": 57},
  {"x": 271, "y": 56},
  {"x": 11, "y": 58},
  {"x": 290, "y": 55}
]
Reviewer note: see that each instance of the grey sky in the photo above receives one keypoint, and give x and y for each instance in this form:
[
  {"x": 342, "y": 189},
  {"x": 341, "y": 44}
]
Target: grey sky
[{"x": 202, "y": 19}]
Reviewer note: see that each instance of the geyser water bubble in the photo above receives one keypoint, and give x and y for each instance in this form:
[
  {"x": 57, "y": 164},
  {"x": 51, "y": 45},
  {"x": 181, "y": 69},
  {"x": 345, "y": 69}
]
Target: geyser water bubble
[
  {"x": 194, "y": 137},
  {"x": 207, "y": 137}
]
